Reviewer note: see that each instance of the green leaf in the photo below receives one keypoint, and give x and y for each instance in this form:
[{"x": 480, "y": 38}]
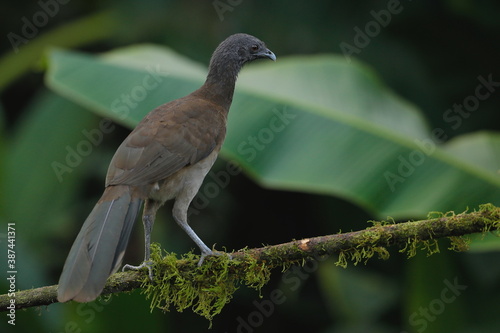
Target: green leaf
[
  {"x": 315, "y": 124},
  {"x": 330, "y": 87},
  {"x": 485, "y": 243},
  {"x": 40, "y": 178},
  {"x": 479, "y": 149},
  {"x": 121, "y": 90}
]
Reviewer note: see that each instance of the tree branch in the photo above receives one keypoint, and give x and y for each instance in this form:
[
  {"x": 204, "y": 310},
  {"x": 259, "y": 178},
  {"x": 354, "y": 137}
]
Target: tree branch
[{"x": 357, "y": 246}]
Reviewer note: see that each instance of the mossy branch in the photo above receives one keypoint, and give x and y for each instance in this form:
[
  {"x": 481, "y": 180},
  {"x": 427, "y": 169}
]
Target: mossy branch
[{"x": 206, "y": 289}]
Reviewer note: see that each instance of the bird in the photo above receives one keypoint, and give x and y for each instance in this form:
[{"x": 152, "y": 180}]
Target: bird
[{"x": 166, "y": 157}]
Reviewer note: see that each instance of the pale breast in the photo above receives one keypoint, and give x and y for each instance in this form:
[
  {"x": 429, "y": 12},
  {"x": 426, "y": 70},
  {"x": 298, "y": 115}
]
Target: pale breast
[{"x": 185, "y": 182}]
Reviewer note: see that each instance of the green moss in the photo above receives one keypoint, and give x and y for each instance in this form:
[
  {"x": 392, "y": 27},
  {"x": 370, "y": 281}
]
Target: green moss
[
  {"x": 459, "y": 244},
  {"x": 363, "y": 254},
  {"x": 410, "y": 247},
  {"x": 382, "y": 223},
  {"x": 366, "y": 243},
  {"x": 206, "y": 289},
  {"x": 342, "y": 260},
  {"x": 431, "y": 246},
  {"x": 493, "y": 223},
  {"x": 182, "y": 284}
]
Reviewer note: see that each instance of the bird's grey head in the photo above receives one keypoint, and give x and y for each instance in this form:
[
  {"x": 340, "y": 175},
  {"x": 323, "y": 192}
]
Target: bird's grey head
[
  {"x": 243, "y": 48},
  {"x": 230, "y": 56},
  {"x": 251, "y": 48}
]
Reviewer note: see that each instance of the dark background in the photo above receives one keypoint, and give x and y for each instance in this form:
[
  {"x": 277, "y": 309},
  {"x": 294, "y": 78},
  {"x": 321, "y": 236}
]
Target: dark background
[{"x": 430, "y": 53}]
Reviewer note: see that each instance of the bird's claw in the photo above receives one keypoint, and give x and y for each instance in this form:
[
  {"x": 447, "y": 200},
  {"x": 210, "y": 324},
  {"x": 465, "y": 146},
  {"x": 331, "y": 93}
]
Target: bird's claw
[
  {"x": 148, "y": 264},
  {"x": 212, "y": 253}
]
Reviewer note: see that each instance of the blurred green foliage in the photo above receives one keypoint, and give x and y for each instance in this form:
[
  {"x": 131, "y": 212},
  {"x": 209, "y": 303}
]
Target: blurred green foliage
[{"x": 432, "y": 55}]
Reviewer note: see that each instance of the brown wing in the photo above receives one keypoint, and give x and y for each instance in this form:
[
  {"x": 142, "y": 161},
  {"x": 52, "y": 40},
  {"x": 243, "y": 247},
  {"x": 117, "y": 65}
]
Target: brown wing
[{"x": 170, "y": 137}]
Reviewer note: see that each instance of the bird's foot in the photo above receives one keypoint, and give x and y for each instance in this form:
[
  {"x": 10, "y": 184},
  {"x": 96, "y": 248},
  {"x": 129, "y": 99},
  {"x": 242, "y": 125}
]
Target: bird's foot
[
  {"x": 208, "y": 253},
  {"x": 148, "y": 264}
]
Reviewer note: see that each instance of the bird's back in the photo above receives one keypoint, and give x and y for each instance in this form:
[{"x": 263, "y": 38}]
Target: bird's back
[{"x": 172, "y": 136}]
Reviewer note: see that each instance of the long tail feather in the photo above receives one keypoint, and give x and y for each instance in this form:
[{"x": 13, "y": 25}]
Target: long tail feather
[{"x": 99, "y": 247}]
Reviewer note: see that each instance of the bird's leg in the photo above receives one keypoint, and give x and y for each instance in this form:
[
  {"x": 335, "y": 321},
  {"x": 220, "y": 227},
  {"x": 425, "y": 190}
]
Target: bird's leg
[
  {"x": 148, "y": 219},
  {"x": 205, "y": 250},
  {"x": 180, "y": 216}
]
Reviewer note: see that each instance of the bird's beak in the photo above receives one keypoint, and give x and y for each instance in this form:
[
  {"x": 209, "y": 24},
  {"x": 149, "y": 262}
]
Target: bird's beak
[{"x": 267, "y": 54}]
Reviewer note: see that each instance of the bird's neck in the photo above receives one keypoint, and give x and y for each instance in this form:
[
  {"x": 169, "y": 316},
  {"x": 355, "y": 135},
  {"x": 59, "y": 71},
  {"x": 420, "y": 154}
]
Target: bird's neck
[{"x": 220, "y": 83}]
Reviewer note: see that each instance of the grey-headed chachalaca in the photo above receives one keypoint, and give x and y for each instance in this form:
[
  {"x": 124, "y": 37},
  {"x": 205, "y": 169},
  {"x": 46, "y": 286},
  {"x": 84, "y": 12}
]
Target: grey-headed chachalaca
[{"x": 165, "y": 157}]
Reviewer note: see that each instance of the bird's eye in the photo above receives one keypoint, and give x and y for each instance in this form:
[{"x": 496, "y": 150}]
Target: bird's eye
[{"x": 255, "y": 47}]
